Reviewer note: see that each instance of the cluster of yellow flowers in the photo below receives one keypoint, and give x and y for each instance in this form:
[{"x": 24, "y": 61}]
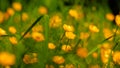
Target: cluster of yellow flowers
[{"x": 30, "y": 58}]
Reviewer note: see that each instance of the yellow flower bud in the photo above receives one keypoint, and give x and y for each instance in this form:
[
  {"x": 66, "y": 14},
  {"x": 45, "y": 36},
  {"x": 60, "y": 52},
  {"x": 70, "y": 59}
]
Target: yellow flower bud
[
  {"x": 7, "y": 59},
  {"x": 110, "y": 16},
  {"x": 58, "y": 59},
  {"x": 17, "y": 6},
  {"x": 42, "y": 10},
  {"x": 68, "y": 28},
  {"x": 51, "y": 46},
  {"x": 12, "y": 29},
  {"x": 84, "y": 36},
  {"x": 2, "y": 32},
  {"x": 95, "y": 55},
  {"x": 82, "y": 52},
  {"x": 117, "y": 20},
  {"x": 38, "y": 36},
  {"x": 70, "y": 35},
  {"x": 13, "y": 40},
  {"x": 24, "y": 16},
  {"x": 66, "y": 48},
  {"x": 10, "y": 11},
  {"x": 93, "y": 28},
  {"x": 74, "y": 13},
  {"x": 1, "y": 17}
]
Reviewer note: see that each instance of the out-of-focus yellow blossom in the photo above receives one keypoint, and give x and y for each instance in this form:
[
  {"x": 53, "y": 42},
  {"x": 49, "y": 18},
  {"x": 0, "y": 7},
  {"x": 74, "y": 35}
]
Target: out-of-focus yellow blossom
[
  {"x": 10, "y": 11},
  {"x": 37, "y": 28},
  {"x": 7, "y": 67},
  {"x": 27, "y": 35},
  {"x": 82, "y": 52},
  {"x": 1, "y": 17},
  {"x": 55, "y": 21},
  {"x": 84, "y": 35},
  {"x": 117, "y": 32},
  {"x": 94, "y": 66},
  {"x": 61, "y": 66},
  {"x": 116, "y": 57},
  {"x": 105, "y": 54},
  {"x": 49, "y": 66},
  {"x": 2, "y": 32},
  {"x": 7, "y": 59},
  {"x": 34, "y": 54},
  {"x": 68, "y": 28},
  {"x": 69, "y": 66},
  {"x": 28, "y": 59},
  {"x": 13, "y": 40},
  {"x": 110, "y": 16},
  {"x": 6, "y": 16},
  {"x": 107, "y": 33},
  {"x": 12, "y": 29},
  {"x": 106, "y": 45},
  {"x": 93, "y": 28},
  {"x": 58, "y": 59},
  {"x": 66, "y": 48},
  {"x": 17, "y": 6},
  {"x": 51, "y": 46},
  {"x": 42, "y": 10},
  {"x": 117, "y": 20},
  {"x": 74, "y": 13},
  {"x": 70, "y": 35},
  {"x": 24, "y": 16},
  {"x": 95, "y": 55},
  {"x": 38, "y": 36}
]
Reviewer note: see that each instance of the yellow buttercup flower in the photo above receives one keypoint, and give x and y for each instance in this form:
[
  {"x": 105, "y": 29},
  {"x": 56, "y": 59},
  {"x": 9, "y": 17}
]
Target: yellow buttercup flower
[
  {"x": 82, "y": 52},
  {"x": 17, "y": 6},
  {"x": 1, "y": 17},
  {"x": 66, "y": 48},
  {"x": 107, "y": 33},
  {"x": 2, "y": 32},
  {"x": 84, "y": 35},
  {"x": 38, "y": 36},
  {"x": 70, "y": 35},
  {"x": 74, "y": 13},
  {"x": 42, "y": 10},
  {"x": 7, "y": 59},
  {"x": 117, "y": 20},
  {"x": 95, "y": 55},
  {"x": 110, "y": 16},
  {"x": 12, "y": 29},
  {"x": 24, "y": 16},
  {"x": 55, "y": 21},
  {"x": 51, "y": 46},
  {"x": 37, "y": 28},
  {"x": 93, "y": 28},
  {"x": 10, "y": 11},
  {"x": 116, "y": 57},
  {"x": 58, "y": 59},
  {"x": 68, "y": 28},
  {"x": 13, "y": 40}
]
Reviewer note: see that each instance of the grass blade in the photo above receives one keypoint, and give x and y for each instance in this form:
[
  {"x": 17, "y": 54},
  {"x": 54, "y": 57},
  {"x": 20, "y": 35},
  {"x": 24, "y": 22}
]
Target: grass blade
[{"x": 34, "y": 23}]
